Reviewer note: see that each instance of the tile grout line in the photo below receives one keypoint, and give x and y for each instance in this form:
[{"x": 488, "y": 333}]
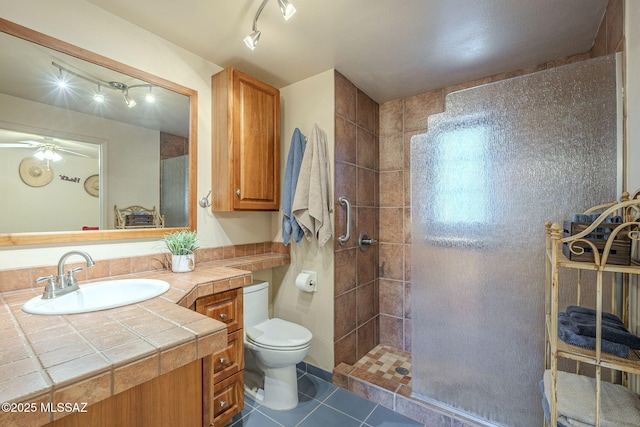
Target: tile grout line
[
  {"x": 369, "y": 415},
  {"x": 320, "y": 401}
]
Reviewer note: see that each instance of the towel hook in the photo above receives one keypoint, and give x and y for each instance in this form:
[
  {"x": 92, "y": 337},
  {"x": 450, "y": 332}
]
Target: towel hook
[
  {"x": 204, "y": 202},
  {"x": 345, "y": 237}
]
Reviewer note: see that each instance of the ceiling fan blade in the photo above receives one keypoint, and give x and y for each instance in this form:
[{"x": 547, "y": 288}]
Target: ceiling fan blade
[
  {"x": 9, "y": 145},
  {"x": 71, "y": 152},
  {"x": 30, "y": 143}
]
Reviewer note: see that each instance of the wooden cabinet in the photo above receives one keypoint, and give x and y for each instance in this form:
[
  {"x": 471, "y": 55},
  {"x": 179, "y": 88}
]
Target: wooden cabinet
[
  {"x": 601, "y": 284},
  {"x": 223, "y": 372},
  {"x": 171, "y": 399},
  {"x": 245, "y": 143}
]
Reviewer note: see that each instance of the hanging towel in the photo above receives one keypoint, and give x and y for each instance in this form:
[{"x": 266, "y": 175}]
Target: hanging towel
[
  {"x": 290, "y": 227},
  {"x": 312, "y": 198}
]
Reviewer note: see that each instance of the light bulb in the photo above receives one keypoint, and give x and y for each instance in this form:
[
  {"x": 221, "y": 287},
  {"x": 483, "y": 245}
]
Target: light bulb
[
  {"x": 287, "y": 9},
  {"x": 47, "y": 154},
  {"x": 61, "y": 81},
  {"x": 252, "y": 40},
  {"x": 130, "y": 102}
]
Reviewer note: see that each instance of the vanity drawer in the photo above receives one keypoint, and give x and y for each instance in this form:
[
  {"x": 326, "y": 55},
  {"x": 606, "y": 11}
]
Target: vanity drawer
[
  {"x": 229, "y": 360},
  {"x": 224, "y": 306},
  {"x": 228, "y": 399}
]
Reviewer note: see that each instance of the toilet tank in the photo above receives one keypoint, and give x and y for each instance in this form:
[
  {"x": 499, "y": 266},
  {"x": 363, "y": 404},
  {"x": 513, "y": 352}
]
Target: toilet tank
[{"x": 255, "y": 303}]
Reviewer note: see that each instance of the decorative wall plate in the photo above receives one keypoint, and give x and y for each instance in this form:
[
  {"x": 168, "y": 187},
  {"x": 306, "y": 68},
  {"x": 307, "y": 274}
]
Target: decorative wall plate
[
  {"x": 92, "y": 185},
  {"x": 34, "y": 172}
]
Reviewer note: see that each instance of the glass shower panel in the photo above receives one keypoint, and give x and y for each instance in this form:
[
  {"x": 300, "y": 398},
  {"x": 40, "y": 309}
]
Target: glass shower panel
[
  {"x": 499, "y": 162},
  {"x": 174, "y": 196}
]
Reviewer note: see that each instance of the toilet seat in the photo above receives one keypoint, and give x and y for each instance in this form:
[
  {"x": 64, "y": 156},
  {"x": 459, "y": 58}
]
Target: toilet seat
[{"x": 278, "y": 334}]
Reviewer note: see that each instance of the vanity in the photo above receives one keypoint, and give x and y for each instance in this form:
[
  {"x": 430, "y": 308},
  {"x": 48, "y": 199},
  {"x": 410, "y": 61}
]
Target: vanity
[{"x": 106, "y": 366}]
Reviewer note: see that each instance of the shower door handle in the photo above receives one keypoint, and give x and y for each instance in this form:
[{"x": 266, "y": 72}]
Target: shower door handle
[{"x": 345, "y": 237}]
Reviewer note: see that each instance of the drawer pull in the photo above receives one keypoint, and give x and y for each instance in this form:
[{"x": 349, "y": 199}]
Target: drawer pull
[
  {"x": 223, "y": 360},
  {"x": 223, "y": 404},
  {"x": 223, "y": 315}
]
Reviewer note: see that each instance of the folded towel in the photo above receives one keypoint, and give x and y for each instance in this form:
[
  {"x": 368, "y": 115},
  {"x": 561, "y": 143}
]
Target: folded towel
[
  {"x": 585, "y": 310},
  {"x": 587, "y": 321},
  {"x": 584, "y": 323},
  {"x": 561, "y": 421},
  {"x": 290, "y": 227},
  {"x": 311, "y": 204},
  {"x": 576, "y": 397},
  {"x": 567, "y": 334}
]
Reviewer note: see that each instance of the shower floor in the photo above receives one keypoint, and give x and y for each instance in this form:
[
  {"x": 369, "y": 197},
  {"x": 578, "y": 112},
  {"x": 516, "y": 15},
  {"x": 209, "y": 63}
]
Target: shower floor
[
  {"x": 383, "y": 361},
  {"x": 375, "y": 378}
]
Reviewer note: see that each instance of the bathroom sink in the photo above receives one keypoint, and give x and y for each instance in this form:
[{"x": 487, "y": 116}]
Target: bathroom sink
[{"x": 98, "y": 296}]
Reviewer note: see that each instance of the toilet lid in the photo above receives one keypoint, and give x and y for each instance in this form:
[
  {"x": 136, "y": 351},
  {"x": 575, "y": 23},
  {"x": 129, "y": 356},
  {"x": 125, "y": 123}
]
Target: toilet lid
[{"x": 278, "y": 333}]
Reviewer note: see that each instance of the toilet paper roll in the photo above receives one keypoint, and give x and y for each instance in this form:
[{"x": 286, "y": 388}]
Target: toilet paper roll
[{"x": 303, "y": 282}]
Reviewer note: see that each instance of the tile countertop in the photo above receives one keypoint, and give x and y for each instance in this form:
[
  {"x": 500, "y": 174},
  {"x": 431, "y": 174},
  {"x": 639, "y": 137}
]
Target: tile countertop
[{"x": 88, "y": 357}]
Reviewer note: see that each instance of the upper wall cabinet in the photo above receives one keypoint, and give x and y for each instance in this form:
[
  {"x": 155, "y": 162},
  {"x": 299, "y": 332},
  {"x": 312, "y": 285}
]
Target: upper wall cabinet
[{"x": 246, "y": 143}]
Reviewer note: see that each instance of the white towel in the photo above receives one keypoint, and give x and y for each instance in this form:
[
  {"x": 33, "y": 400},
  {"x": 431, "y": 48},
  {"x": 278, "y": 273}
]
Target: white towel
[
  {"x": 311, "y": 204},
  {"x": 577, "y": 396}
]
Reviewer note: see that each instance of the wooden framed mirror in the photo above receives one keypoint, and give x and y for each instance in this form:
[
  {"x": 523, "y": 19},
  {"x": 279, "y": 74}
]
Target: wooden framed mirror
[{"x": 74, "y": 158}]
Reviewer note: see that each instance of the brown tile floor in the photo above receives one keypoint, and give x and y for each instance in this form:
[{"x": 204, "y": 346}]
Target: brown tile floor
[{"x": 383, "y": 360}]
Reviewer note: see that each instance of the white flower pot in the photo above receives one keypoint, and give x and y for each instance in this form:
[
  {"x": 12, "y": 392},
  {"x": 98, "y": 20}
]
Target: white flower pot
[{"x": 182, "y": 263}]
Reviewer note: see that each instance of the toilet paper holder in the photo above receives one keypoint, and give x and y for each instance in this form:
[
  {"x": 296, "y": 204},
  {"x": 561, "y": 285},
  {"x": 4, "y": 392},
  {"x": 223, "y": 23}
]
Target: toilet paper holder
[{"x": 307, "y": 281}]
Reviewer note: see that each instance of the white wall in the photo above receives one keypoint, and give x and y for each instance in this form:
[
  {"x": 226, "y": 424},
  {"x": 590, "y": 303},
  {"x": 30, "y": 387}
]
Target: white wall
[
  {"x": 303, "y": 104},
  {"x": 632, "y": 71},
  {"x": 59, "y": 205},
  {"x": 87, "y": 26}
]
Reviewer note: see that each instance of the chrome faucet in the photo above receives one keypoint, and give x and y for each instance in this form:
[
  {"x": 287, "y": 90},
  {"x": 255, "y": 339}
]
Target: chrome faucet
[{"x": 63, "y": 283}]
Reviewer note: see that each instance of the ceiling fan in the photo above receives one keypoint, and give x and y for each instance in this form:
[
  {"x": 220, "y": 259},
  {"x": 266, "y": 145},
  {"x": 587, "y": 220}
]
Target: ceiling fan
[{"x": 46, "y": 150}]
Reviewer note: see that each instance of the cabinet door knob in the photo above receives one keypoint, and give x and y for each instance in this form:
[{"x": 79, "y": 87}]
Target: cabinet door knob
[
  {"x": 223, "y": 403},
  {"x": 223, "y": 316},
  {"x": 238, "y": 192},
  {"x": 223, "y": 360}
]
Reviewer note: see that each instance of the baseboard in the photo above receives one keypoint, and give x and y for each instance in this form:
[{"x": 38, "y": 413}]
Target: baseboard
[{"x": 315, "y": 371}]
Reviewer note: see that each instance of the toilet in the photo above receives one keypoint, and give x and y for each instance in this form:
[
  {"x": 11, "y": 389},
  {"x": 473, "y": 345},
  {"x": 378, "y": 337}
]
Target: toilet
[{"x": 273, "y": 347}]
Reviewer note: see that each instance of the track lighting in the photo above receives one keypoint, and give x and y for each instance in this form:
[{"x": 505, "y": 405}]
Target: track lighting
[
  {"x": 98, "y": 96},
  {"x": 130, "y": 102},
  {"x": 61, "y": 81},
  {"x": 252, "y": 40},
  {"x": 150, "y": 97},
  {"x": 287, "y": 10}
]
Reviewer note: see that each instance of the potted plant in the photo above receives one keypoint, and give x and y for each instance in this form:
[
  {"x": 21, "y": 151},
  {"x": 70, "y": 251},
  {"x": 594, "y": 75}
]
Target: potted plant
[{"x": 182, "y": 245}]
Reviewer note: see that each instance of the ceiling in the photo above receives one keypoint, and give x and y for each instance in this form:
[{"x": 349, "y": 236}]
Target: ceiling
[{"x": 389, "y": 48}]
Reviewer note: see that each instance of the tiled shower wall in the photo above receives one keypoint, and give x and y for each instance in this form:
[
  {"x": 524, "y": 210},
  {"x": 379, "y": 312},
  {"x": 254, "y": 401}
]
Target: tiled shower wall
[
  {"x": 399, "y": 121},
  {"x": 356, "y": 178}
]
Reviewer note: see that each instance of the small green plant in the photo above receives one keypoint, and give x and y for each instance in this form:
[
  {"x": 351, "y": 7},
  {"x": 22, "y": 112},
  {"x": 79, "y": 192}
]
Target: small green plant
[{"x": 183, "y": 242}]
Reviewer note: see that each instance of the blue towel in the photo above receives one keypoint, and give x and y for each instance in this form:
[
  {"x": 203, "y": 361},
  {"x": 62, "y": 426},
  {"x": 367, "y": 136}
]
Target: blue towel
[
  {"x": 290, "y": 227},
  {"x": 545, "y": 406},
  {"x": 576, "y": 309},
  {"x": 566, "y": 333},
  {"x": 584, "y": 323}
]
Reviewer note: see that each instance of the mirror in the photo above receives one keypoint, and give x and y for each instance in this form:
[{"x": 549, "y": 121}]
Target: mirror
[{"x": 109, "y": 156}]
